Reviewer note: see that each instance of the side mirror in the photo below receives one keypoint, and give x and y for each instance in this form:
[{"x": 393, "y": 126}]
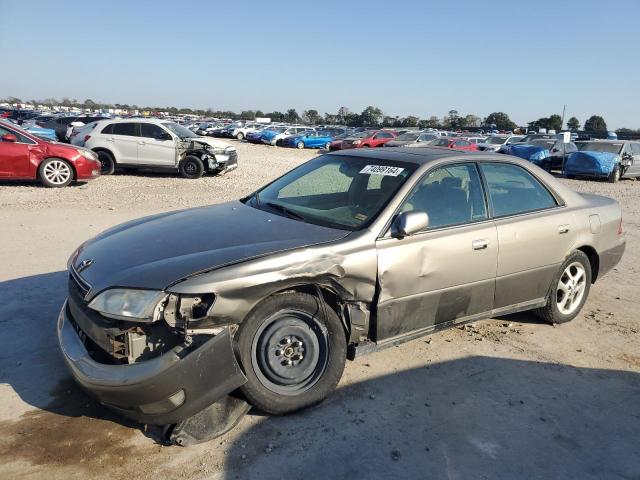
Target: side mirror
[
  {"x": 9, "y": 137},
  {"x": 408, "y": 223}
]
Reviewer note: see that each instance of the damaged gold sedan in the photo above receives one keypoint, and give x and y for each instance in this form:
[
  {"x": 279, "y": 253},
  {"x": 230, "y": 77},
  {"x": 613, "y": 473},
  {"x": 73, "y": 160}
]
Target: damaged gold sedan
[{"x": 188, "y": 318}]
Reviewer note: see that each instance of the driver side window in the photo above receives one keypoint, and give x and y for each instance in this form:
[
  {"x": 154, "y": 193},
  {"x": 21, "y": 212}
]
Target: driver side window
[{"x": 450, "y": 195}]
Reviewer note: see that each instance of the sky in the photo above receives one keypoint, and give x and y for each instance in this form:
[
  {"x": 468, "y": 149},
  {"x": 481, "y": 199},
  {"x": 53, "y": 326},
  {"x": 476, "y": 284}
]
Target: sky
[{"x": 421, "y": 58}]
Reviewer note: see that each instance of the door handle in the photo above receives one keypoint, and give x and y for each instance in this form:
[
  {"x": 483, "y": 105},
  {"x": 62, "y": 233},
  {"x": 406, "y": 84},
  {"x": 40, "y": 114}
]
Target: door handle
[
  {"x": 563, "y": 229},
  {"x": 480, "y": 244},
  {"x": 141, "y": 143},
  {"x": 109, "y": 139}
]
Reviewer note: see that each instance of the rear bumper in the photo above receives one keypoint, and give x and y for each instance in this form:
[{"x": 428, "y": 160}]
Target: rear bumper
[{"x": 164, "y": 390}]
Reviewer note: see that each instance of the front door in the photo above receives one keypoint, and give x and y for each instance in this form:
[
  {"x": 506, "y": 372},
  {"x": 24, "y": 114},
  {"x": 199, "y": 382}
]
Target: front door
[
  {"x": 447, "y": 272},
  {"x": 156, "y": 146},
  {"x": 14, "y": 156},
  {"x": 534, "y": 231}
]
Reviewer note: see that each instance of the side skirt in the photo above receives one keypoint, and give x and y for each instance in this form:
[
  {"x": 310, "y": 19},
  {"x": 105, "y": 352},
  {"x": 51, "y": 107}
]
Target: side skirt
[{"x": 367, "y": 347}]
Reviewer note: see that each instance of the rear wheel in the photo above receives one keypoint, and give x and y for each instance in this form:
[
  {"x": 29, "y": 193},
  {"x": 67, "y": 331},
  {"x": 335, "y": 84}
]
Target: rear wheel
[
  {"x": 569, "y": 290},
  {"x": 107, "y": 162},
  {"x": 55, "y": 173},
  {"x": 327, "y": 146},
  {"x": 240, "y": 136},
  {"x": 615, "y": 174},
  {"x": 191, "y": 167},
  {"x": 293, "y": 352},
  {"x": 300, "y": 145}
]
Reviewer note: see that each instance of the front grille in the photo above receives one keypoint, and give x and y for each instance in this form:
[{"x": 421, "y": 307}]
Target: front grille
[{"x": 80, "y": 284}]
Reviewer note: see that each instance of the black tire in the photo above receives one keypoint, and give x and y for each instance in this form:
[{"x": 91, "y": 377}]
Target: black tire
[
  {"x": 191, "y": 167},
  {"x": 55, "y": 173},
  {"x": 615, "y": 174},
  {"x": 551, "y": 311},
  {"x": 546, "y": 166},
  {"x": 316, "y": 334},
  {"x": 107, "y": 162}
]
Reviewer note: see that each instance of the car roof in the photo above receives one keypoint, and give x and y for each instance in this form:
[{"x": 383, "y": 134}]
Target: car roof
[{"x": 423, "y": 156}]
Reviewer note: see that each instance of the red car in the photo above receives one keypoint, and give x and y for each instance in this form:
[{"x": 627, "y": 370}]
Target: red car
[
  {"x": 26, "y": 157},
  {"x": 457, "y": 143},
  {"x": 370, "y": 139}
]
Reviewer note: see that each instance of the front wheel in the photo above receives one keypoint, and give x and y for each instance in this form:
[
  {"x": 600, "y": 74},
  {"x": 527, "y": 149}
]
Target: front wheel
[
  {"x": 55, "y": 173},
  {"x": 293, "y": 352},
  {"x": 615, "y": 174},
  {"x": 300, "y": 145},
  {"x": 569, "y": 290},
  {"x": 191, "y": 167},
  {"x": 240, "y": 136},
  {"x": 327, "y": 146}
]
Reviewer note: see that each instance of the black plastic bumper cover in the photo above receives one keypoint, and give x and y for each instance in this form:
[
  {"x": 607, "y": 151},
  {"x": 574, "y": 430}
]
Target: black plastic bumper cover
[{"x": 205, "y": 375}]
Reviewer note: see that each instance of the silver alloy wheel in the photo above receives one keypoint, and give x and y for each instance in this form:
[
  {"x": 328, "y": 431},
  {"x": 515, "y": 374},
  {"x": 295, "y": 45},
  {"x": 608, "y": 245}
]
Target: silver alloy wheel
[
  {"x": 571, "y": 288},
  {"x": 57, "y": 172}
]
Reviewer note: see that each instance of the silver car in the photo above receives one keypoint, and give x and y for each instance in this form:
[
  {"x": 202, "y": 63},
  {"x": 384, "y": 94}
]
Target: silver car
[{"x": 350, "y": 252}]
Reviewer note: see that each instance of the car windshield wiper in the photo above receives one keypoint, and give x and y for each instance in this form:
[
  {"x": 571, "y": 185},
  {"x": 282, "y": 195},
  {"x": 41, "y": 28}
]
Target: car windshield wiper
[{"x": 288, "y": 212}]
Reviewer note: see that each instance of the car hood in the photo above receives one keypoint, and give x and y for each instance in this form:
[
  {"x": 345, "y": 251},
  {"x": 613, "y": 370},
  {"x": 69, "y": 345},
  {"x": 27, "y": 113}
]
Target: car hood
[
  {"x": 210, "y": 141},
  {"x": 158, "y": 251}
]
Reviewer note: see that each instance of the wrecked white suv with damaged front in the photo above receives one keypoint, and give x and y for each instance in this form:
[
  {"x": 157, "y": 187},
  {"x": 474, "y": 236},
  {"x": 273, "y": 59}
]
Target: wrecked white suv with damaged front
[{"x": 159, "y": 145}]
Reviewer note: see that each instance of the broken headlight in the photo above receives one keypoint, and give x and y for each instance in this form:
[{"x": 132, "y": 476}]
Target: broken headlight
[{"x": 128, "y": 304}]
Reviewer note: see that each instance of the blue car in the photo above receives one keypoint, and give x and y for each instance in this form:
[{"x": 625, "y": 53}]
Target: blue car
[
  {"x": 612, "y": 160},
  {"x": 44, "y": 133},
  {"x": 319, "y": 139}
]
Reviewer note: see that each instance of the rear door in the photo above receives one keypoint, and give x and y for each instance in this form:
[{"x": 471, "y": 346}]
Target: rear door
[
  {"x": 535, "y": 233},
  {"x": 447, "y": 272},
  {"x": 156, "y": 146},
  {"x": 125, "y": 137}
]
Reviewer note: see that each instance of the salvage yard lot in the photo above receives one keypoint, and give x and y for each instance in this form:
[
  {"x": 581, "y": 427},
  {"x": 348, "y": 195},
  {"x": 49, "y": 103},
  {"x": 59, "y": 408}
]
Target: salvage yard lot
[{"x": 509, "y": 397}]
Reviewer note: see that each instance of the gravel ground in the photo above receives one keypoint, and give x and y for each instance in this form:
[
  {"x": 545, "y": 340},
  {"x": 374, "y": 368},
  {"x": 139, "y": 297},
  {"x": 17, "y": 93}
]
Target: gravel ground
[{"x": 502, "y": 398}]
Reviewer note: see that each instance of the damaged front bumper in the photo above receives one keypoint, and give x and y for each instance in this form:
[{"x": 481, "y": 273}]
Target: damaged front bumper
[
  {"x": 161, "y": 391},
  {"x": 222, "y": 162}
]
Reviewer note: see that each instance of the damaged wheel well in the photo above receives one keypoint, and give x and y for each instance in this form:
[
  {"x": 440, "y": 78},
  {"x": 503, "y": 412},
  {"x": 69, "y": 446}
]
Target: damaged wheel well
[{"x": 330, "y": 298}]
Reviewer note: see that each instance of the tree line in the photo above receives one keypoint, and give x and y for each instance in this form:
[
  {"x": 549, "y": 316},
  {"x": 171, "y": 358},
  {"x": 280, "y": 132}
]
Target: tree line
[{"x": 371, "y": 116}]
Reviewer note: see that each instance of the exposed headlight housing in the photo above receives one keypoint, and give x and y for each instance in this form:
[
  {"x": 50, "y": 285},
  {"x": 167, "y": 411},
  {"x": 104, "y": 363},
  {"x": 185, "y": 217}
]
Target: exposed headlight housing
[{"x": 129, "y": 304}]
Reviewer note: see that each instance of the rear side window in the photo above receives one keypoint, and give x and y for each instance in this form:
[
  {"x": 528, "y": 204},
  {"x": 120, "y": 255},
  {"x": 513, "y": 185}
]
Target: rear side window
[
  {"x": 513, "y": 190},
  {"x": 108, "y": 129},
  {"x": 635, "y": 148},
  {"x": 129, "y": 129}
]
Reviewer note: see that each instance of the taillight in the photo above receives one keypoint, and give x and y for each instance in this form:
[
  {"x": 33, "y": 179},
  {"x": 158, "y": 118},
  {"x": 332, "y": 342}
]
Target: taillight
[
  {"x": 620, "y": 228},
  {"x": 87, "y": 137}
]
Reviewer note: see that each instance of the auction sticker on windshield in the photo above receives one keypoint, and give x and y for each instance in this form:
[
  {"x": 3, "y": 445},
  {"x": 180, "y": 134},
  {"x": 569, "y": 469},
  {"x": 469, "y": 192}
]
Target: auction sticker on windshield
[{"x": 382, "y": 170}]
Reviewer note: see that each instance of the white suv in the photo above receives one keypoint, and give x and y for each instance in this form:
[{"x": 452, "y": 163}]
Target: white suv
[{"x": 158, "y": 144}]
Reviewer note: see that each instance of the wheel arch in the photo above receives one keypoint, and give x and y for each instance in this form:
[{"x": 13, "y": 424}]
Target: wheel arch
[
  {"x": 106, "y": 150},
  {"x": 594, "y": 260},
  {"x": 325, "y": 295}
]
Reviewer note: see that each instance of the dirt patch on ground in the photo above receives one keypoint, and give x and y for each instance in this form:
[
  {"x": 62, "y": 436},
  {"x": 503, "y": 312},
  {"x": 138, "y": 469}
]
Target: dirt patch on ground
[{"x": 73, "y": 429}]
